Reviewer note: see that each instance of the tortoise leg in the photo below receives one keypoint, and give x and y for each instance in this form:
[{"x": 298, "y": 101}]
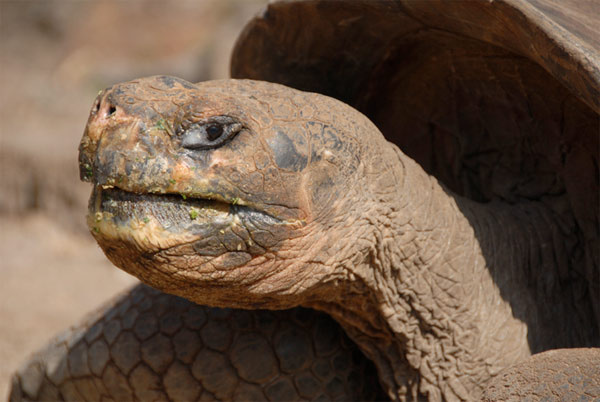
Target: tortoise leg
[
  {"x": 148, "y": 345},
  {"x": 554, "y": 375}
]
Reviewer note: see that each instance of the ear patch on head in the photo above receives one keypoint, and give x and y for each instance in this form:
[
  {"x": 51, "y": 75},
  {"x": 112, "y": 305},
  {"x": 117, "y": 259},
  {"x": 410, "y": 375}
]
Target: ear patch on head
[{"x": 285, "y": 151}]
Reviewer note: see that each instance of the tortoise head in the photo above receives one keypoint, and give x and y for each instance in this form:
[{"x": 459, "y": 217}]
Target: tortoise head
[{"x": 222, "y": 192}]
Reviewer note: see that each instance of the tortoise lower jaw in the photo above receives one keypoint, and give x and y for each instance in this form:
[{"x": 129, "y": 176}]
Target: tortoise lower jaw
[
  {"x": 171, "y": 211},
  {"x": 153, "y": 222}
]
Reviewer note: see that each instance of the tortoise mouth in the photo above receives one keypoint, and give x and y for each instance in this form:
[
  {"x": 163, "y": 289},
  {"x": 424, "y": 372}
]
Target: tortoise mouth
[
  {"x": 171, "y": 211},
  {"x": 124, "y": 222},
  {"x": 152, "y": 222}
]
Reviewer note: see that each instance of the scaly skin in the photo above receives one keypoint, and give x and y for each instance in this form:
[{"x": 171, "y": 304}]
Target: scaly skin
[
  {"x": 148, "y": 345},
  {"x": 555, "y": 375},
  {"x": 306, "y": 204}
]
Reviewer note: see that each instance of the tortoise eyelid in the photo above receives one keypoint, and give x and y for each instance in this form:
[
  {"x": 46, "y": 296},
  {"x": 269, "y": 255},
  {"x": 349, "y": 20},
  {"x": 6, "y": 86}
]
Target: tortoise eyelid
[{"x": 211, "y": 133}]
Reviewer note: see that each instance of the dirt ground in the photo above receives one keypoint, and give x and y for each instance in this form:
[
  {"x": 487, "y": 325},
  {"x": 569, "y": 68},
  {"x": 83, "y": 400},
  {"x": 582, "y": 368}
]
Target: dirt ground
[{"x": 54, "y": 58}]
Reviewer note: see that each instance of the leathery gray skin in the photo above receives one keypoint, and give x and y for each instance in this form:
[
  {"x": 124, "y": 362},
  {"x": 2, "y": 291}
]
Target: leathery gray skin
[{"x": 298, "y": 200}]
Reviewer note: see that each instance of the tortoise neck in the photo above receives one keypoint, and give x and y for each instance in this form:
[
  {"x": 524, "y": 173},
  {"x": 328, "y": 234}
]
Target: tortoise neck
[
  {"x": 443, "y": 293},
  {"x": 444, "y": 327}
]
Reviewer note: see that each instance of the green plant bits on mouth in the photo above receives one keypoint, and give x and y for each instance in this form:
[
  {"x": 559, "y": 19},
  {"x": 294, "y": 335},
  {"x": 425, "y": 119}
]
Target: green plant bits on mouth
[
  {"x": 193, "y": 213},
  {"x": 146, "y": 219},
  {"x": 161, "y": 125},
  {"x": 172, "y": 181}
]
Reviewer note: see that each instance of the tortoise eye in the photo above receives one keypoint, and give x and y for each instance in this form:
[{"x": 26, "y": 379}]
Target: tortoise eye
[
  {"x": 214, "y": 131},
  {"x": 210, "y": 134}
]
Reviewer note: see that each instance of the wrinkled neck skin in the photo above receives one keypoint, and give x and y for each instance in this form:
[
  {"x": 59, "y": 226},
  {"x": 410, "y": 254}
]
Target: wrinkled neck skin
[{"x": 427, "y": 290}]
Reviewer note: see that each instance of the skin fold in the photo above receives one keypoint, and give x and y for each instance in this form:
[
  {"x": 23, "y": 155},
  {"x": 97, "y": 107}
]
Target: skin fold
[{"x": 246, "y": 194}]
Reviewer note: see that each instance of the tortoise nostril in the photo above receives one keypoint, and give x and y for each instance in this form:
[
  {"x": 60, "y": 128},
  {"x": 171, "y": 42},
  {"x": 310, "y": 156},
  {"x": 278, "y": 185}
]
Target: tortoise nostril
[{"x": 111, "y": 110}]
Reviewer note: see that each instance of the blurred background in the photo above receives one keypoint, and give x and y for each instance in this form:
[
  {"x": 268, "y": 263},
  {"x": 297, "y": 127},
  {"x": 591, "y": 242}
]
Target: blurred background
[{"x": 54, "y": 58}]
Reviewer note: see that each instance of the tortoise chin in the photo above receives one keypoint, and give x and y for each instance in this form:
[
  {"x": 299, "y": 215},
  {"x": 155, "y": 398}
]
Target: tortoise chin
[{"x": 188, "y": 246}]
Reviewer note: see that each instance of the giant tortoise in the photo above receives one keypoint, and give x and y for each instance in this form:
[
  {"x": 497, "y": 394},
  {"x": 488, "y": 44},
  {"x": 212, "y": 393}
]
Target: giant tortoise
[{"x": 435, "y": 192}]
